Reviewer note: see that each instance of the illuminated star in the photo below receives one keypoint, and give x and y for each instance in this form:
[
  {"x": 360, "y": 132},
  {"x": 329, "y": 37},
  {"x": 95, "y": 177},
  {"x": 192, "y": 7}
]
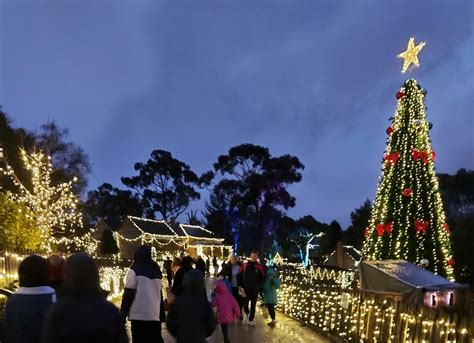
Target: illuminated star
[{"x": 411, "y": 54}]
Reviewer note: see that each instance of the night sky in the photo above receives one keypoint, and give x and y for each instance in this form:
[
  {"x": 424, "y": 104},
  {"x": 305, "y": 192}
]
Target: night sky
[{"x": 316, "y": 79}]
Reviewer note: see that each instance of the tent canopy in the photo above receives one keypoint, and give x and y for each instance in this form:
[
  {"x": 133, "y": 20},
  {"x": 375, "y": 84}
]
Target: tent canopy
[{"x": 402, "y": 278}]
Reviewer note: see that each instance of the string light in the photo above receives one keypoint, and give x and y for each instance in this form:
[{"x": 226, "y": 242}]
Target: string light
[
  {"x": 410, "y": 55},
  {"x": 52, "y": 207},
  {"x": 325, "y": 300},
  {"x": 183, "y": 242},
  {"x": 414, "y": 170}
]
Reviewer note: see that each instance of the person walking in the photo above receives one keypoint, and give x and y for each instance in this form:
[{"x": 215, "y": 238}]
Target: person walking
[
  {"x": 270, "y": 296},
  {"x": 57, "y": 270},
  {"x": 142, "y": 300},
  {"x": 250, "y": 278},
  {"x": 208, "y": 266},
  {"x": 83, "y": 314},
  {"x": 201, "y": 265},
  {"x": 227, "y": 308},
  {"x": 230, "y": 272},
  {"x": 215, "y": 265},
  {"x": 186, "y": 265},
  {"x": 191, "y": 319},
  {"x": 169, "y": 270},
  {"x": 26, "y": 309}
]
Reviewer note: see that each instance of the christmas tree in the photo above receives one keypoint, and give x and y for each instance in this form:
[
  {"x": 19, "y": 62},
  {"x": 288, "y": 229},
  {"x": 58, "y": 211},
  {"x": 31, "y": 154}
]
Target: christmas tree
[{"x": 407, "y": 219}]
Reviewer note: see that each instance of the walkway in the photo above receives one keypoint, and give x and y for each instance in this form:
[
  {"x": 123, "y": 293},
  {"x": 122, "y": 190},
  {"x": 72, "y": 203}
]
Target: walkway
[{"x": 287, "y": 331}]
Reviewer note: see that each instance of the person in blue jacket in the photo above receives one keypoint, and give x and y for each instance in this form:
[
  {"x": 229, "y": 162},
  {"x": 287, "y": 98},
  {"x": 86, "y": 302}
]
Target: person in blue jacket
[{"x": 270, "y": 297}]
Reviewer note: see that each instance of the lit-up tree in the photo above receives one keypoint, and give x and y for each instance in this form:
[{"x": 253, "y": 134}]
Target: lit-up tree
[
  {"x": 407, "y": 219},
  {"x": 52, "y": 207},
  {"x": 17, "y": 229}
]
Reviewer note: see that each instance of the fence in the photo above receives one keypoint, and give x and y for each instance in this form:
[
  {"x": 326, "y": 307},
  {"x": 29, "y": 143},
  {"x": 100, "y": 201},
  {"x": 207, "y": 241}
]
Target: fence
[
  {"x": 9, "y": 263},
  {"x": 112, "y": 271},
  {"x": 325, "y": 300}
]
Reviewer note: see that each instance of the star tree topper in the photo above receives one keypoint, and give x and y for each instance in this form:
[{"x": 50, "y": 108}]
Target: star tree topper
[{"x": 411, "y": 54}]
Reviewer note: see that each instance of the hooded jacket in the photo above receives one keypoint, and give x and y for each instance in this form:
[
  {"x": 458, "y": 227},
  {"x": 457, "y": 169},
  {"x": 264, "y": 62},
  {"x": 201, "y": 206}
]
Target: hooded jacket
[
  {"x": 270, "y": 287},
  {"x": 143, "y": 297},
  {"x": 191, "y": 319},
  {"x": 186, "y": 265},
  {"x": 83, "y": 314},
  {"x": 227, "y": 308}
]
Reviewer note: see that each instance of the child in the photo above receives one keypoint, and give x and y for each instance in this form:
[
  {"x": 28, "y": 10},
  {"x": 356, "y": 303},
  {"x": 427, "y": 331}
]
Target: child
[
  {"x": 270, "y": 286},
  {"x": 227, "y": 308}
]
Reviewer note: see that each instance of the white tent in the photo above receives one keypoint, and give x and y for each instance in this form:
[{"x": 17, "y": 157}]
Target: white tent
[{"x": 398, "y": 277}]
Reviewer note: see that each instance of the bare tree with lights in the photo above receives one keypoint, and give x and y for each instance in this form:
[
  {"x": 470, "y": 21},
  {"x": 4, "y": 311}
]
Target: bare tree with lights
[{"x": 53, "y": 208}]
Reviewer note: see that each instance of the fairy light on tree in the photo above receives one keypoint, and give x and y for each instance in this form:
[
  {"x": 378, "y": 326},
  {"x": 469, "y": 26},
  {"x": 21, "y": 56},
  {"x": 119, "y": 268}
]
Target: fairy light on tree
[
  {"x": 407, "y": 219},
  {"x": 52, "y": 207}
]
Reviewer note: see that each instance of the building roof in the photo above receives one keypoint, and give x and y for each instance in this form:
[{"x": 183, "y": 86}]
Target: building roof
[
  {"x": 157, "y": 227},
  {"x": 196, "y": 231},
  {"x": 392, "y": 271},
  {"x": 353, "y": 252}
]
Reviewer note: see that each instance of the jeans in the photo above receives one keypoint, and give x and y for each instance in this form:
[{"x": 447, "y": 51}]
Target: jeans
[{"x": 252, "y": 298}]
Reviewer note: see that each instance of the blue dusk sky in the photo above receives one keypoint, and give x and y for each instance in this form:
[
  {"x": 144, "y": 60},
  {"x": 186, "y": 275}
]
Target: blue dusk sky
[{"x": 316, "y": 79}]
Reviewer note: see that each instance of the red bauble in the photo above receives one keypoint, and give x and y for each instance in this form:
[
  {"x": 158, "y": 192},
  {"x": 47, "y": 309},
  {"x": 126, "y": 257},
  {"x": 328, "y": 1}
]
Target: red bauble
[
  {"x": 400, "y": 95},
  {"x": 407, "y": 192},
  {"x": 389, "y": 130},
  {"x": 451, "y": 262},
  {"x": 367, "y": 231},
  {"x": 446, "y": 227}
]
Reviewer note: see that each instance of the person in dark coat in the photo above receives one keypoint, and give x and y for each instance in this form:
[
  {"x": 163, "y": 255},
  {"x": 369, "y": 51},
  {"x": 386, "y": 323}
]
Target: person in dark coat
[
  {"x": 201, "y": 265},
  {"x": 26, "y": 309},
  {"x": 250, "y": 279},
  {"x": 169, "y": 271},
  {"x": 191, "y": 318},
  {"x": 142, "y": 300},
  {"x": 208, "y": 266},
  {"x": 83, "y": 314},
  {"x": 215, "y": 265},
  {"x": 185, "y": 265}
]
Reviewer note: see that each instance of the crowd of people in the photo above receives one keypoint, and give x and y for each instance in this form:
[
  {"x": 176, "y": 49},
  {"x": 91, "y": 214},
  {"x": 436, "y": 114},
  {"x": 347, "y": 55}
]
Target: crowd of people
[{"x": 61, "y": 300}]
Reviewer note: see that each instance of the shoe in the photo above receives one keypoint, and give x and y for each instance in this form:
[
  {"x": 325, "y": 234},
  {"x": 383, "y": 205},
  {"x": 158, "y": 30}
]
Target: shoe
[
  {"x": 246, "y": 318},
  {"x": 272, "y": 324},
  {"x": 251, "y": 323}
]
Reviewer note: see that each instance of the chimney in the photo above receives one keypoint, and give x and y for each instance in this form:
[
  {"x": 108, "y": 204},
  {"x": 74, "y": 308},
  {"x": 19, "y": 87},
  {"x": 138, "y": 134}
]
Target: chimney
[{"x": 339, "y": 254}]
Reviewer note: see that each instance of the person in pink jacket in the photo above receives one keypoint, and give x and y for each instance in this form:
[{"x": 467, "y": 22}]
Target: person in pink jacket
[{"x": 228, "y": 310}]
